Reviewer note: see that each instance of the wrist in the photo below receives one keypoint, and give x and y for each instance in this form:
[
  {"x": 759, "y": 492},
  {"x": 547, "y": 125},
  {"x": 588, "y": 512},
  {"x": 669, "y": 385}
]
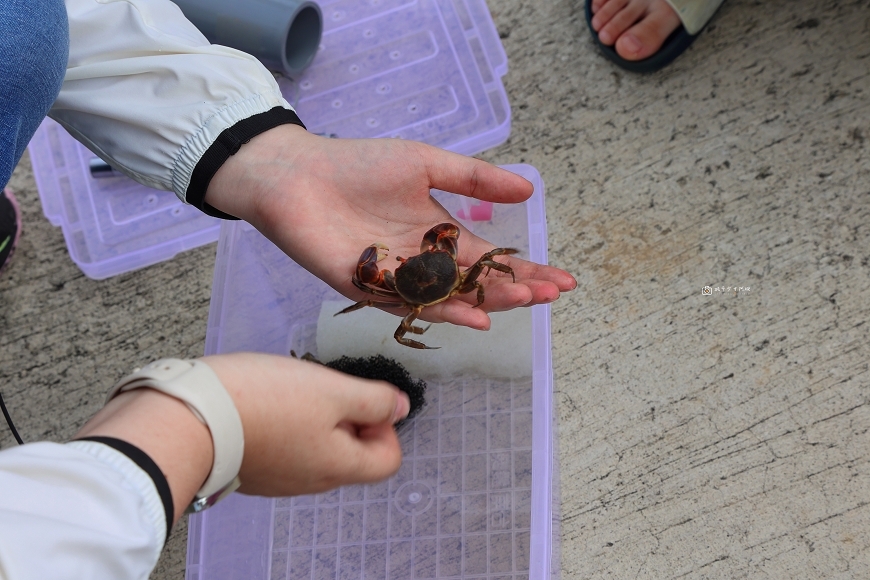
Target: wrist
[
  {"x": 243, "y": 184},
  {"x": 167, "y": 431}
]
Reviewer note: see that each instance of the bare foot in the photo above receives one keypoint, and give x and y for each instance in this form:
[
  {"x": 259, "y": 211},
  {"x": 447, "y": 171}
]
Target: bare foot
[{"x": 637, "y": 28}]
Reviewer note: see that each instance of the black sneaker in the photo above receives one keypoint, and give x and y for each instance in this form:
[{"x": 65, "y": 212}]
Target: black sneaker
[{"x": 10, "y": 226}]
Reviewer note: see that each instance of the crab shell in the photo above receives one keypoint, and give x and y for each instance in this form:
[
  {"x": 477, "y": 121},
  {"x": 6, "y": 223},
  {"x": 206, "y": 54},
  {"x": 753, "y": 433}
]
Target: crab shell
[{"x": 428, "y": 278}]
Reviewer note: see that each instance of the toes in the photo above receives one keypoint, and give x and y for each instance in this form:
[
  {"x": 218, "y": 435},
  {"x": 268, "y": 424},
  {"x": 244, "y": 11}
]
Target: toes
[
  {"x": 597, "y": 4},
  {"x": 607, "y": 9},
  {"x": 646, "y": 37},
  {"x": 621, "y": 21},
  {"x": 630, "y": 47}
]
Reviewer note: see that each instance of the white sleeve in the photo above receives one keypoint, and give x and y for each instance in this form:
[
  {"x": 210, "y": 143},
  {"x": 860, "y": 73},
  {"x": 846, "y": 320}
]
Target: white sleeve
[
  {"x": 80, "y": 510},
  {"x": 146, "y": 91}
]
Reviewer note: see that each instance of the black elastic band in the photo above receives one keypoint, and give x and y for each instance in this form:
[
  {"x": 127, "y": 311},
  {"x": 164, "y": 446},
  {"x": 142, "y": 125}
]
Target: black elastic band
[
  {"x": 228, "y": 143},
  {"x": 147, "y": 464},
  {"x": 9, "y": 422}
]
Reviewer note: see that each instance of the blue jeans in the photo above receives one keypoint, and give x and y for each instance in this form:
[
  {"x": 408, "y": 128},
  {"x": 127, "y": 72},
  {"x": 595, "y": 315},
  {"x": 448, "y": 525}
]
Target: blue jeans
[{"x": 34, "y": 49}]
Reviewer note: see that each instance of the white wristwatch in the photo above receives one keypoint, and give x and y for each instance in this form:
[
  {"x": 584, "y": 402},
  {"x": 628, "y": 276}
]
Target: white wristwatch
[{"x": 196, "y": 384}]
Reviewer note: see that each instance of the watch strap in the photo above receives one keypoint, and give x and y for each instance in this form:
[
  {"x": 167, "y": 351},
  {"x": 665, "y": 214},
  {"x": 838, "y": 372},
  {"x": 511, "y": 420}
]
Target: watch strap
[{"x": 196, "y": 384}]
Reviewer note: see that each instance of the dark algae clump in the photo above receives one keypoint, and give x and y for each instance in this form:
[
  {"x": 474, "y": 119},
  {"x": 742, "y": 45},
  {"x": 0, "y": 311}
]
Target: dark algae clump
[{"x": 381, "y": 368}]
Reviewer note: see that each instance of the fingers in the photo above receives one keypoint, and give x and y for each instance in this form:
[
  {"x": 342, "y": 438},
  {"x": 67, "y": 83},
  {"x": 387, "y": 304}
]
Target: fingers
[
  {"x": 457, "y": 312},
  {"x": 536, "y": 284},
  {"x": 371, "y": 454},
  {"x": 367, "y": 403},
  {"x": 309, "y": 428},
  {"x": 525, "y": 270},
  {"x": 364, "y": 433},
  {"x": 462, "y": 310},
  {"x": 471, "y": 247},
  {"x": 473, "y": 178},
  {"x": 501, "y": 295}
]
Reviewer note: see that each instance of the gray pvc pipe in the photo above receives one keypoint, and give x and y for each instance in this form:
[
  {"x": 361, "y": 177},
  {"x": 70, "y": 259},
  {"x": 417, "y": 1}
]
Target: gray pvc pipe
[{"x": 283, "y": 34}]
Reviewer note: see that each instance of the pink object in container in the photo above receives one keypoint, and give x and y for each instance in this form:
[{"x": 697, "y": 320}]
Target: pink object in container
[
  {"x": 476, "y": 212},
  {"x": 476, "y": 496}
]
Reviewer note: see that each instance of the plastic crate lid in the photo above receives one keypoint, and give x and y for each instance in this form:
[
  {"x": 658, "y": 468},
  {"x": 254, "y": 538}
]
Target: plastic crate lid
[
  {"x": 111, "y": 225},
  {"x": 476, "y": 494},
  {"x": 427, "y": 70}
]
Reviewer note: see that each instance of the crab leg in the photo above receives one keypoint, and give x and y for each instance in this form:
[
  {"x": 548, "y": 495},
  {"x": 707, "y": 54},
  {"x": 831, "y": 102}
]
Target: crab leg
[
  {"x": 407, "y": 326},
  {"x": 468, "y": 287},
  {"x": 486, "y": 261},
  {"x": 469, "y": 277},
  {"x": 497, "y": 266},
  {"x": 376, "y": 290},
  {"x": 364, "y": 303}
]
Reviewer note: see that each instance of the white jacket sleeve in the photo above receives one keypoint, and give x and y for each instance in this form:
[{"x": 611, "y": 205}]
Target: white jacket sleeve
[
  {"x": 146, "y": 91},
  {"x": 80, "y": 510}
]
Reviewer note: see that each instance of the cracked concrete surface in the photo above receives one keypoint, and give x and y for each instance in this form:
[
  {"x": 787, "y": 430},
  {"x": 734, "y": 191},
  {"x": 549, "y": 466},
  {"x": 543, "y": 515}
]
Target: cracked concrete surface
[{"x": 721, "y": 436}]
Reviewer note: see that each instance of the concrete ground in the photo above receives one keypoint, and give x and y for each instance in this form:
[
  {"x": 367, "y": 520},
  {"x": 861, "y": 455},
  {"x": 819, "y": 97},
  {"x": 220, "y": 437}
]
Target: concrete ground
[{"x": 702, "y": 436}]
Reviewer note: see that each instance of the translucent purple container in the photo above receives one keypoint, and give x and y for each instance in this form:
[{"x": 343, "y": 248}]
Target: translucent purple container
[
  {"x": 427, "y": 70},
  {"x": 111, "y": 225},
  {"x": 476, "y": 496}
]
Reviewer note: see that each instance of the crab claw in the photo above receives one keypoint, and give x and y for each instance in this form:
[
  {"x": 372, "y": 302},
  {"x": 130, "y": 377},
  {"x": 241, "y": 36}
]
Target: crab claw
[
  {"x": 441, "y": 237},
  {"x": 381, "y": 254},
  {"x": 367, "y": 267}
]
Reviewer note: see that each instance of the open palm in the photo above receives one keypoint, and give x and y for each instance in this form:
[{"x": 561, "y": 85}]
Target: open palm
[{"x": 322, "y": 201}]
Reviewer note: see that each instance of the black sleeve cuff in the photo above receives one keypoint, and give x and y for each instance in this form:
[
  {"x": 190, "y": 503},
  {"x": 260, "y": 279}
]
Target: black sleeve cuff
[
  {"x": 147, "y": 464},
  {"x": 228, "y": 143}
]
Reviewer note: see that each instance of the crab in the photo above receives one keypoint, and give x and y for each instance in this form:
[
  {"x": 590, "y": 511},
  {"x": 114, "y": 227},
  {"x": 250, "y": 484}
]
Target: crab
[{"x": 428, "y": 278}]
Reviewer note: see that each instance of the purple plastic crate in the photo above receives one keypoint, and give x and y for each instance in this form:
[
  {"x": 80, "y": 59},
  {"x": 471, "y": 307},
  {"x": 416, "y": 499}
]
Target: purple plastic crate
[
  {"x": 427, "y": 70},
  {"x": 111, "y": 225},
  {"x": 476, "y": 496}
]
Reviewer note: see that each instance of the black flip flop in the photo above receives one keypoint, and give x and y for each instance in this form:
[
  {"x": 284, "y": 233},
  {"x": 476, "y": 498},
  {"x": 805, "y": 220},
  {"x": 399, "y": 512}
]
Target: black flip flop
[{"x": 675, "y": 45}]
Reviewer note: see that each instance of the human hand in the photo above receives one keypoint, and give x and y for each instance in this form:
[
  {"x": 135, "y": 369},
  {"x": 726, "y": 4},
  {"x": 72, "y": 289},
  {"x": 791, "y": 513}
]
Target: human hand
[
  {"x": 307, "y": 427},
  {"x": 322, "y": 201}
]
